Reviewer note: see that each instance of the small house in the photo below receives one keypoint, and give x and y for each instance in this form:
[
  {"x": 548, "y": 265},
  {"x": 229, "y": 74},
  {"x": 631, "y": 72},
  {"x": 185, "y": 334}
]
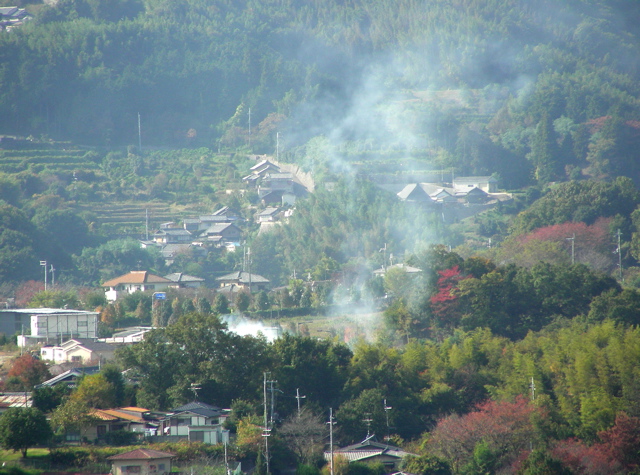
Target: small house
[
  {"x": 183, "y": 281},
  {"x": 134, "y": 281},
  {"x": 141, "y": 462},
  {"x": 242, "y": 280}
]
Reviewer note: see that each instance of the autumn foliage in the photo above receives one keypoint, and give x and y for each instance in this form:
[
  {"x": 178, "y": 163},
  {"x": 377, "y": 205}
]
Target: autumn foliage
[
  {"x": 444, "y": 302},
  {"x": 29, "y": 371},
  {"x": 506, "y": 428},
  {"x": 616, "y": 450}
]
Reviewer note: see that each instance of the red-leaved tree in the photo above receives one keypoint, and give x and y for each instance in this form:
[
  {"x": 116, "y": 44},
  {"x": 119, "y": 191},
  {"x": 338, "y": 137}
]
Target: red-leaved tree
[
  {"x": 29, "y": 371},
  {"x": 616, "y": 451},
  {"x": 506, "y": 428},
  {"x": 445, "y": 305}
]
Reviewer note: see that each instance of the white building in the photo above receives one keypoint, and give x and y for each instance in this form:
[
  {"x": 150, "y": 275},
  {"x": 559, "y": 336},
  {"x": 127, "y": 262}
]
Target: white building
[
  {"x": 56, "y": 325},
  {"x": 135, "y": 281}
]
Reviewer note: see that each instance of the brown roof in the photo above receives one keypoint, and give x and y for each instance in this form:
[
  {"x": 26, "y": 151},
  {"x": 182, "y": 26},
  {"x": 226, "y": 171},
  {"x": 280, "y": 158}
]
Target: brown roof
[
  {"x": 134, "y": 409},
  {"x": 136, "y": 277},
  {"x": 123, "y": 415},
  {"x": 141, "y": 454},
  {"x": 103, "y": 415}
]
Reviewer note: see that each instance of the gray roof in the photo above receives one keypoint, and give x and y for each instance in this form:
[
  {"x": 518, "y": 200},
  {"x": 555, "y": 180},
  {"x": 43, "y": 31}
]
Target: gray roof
[
  {"x": 473, "y": 179},
  {"x": 47, "y": 311},
  {"x": 214, "y": 218},
  {"x": 180, "y": 277},
  {"x": 93, "y": 345},
  {"x": 201, "y": 408},
  {"x": 280, "y": 176},
  {"x": 71, "y": 374},
  {"x": 243, "y": 278},
  {"x": 219, "y": 227},
  {"x": 269, "y": 211},
  {"x": 174, "y": 232},
  {"x": 414, "y": 192}
]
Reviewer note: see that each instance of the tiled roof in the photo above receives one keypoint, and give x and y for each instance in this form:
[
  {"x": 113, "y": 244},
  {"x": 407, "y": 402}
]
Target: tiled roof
[
  {"x": 243, "y": 278},
  {"x": 103, "y": 415},
  {"x": 123, "y": 415},
  {"x": 141, "y": 454},
  {"x": 180, "y": 277},
  {"x": 136, "y": 277},
  {"x": 201, "y": 408}
]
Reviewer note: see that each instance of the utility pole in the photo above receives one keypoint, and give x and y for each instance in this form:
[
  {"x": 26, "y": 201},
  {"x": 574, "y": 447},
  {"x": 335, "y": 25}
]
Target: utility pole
[
  {"x": 277, "y": 146},
  {"x": 139, "y": 136},
  {"x": 532, "y": 389},
  {"x": 619, "y": 250},
  {"x": 249, "y": 267},
  {"x": 272, "y": 402},
  {"x": 249, "y": 128},
  {"x": 298, "y": 397},
  {"x": 368, "y": 422},
  {"x": 331, "y": 423},
  {"x": 44, "y": 264},
  {"x": 266, "y": 432},
  {"x": 386, "y": 412},
  {"x": 53, "y": 276},
  {"x": 573, "y": 248},
  {"x": 384, "y": 257}
]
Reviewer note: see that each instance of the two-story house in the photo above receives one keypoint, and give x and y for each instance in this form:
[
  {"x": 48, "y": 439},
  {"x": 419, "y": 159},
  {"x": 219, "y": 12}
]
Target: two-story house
[
  {"x": 134, "y": 281},
  {"x": 199, "y": 421}
]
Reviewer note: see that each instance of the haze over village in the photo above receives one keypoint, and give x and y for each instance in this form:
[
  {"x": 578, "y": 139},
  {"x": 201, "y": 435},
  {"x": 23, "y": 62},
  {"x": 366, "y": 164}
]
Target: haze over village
[{"x": 319, "y": 238}]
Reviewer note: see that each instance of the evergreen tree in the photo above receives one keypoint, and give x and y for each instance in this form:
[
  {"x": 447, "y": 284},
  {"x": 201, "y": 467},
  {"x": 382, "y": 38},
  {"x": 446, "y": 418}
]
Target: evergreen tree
[{"x": 545, "y": 152}]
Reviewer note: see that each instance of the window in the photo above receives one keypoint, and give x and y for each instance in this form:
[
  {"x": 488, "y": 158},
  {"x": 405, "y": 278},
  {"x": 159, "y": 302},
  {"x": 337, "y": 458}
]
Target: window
[
  {"x": 72, "y": 436},
  {"x": 197, "y": 436},
  {"x": 76, "y": 359},
  {"x": 131, "y": 469},
  {"x": 161, "y": 467},
  {"x": 151, "y": 287},
  {"x": 83, "y": 324}
]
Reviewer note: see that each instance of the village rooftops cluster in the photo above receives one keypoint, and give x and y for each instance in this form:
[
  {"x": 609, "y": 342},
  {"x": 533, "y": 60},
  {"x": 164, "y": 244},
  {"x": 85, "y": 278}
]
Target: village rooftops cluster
[{"x": 12, "y": 17}]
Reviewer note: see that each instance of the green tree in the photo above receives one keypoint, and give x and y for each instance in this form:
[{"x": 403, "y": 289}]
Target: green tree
[
  {"x": 426, "y": 465},
  {"x": 21, "y": 428},
  {"x": 243, "y": 301},
  {"x": 48, "y": 398},
  {"x": 262, "y": 301},
  {"x": 96, "y": 391},
  {"x": 545, "y": 152},
  {"x": 221, "y": 304}
]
